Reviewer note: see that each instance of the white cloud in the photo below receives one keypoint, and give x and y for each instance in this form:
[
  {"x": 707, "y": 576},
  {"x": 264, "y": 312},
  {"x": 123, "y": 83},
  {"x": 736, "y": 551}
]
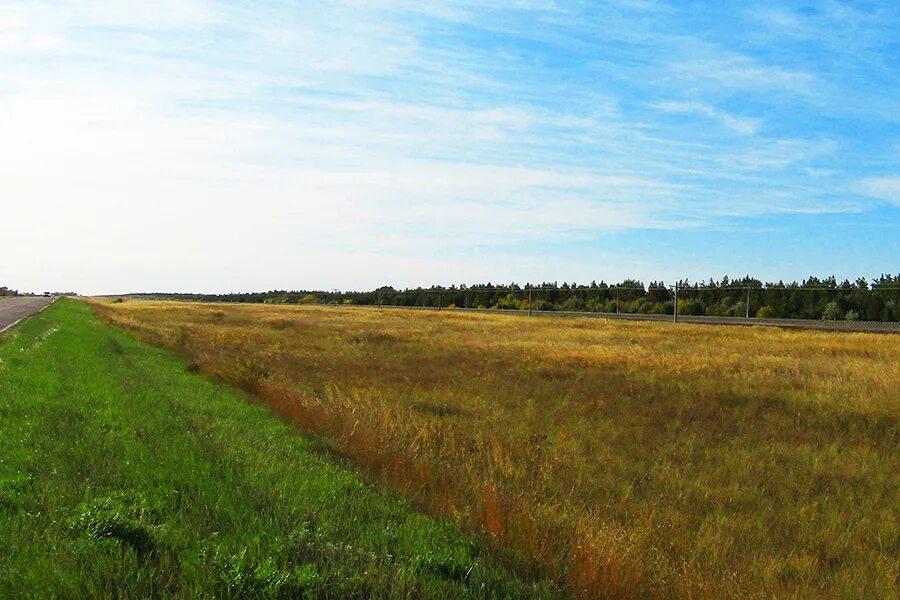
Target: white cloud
[
  {"x": 22, "y": 34},
  {"x": 780, "y": 19},
  {"x": 159, "y": 14},
  {"x": 737, "y": 72},
  {"x": 741, "y": 125},
  {"x": 886, "y": 188},
  {"x": 773, "y": 153}
]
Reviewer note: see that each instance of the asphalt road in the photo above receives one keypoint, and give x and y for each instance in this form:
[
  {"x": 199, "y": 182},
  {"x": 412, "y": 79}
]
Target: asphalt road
[{"x": 15, "y": 308}]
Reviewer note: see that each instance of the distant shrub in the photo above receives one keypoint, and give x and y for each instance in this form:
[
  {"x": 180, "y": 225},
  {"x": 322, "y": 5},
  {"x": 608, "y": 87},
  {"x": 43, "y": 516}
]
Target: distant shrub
[
  {"x": 508, "y": 302},
  {"x": 660, "y": 308},
  {"x": 645, "y": 307},
  {"x": 690, "y": 307},
  {"x": 765, "y": 312},
  {"x": 891, "y": 311},
  {"x": 308, "y": 299},
  {"x": 543, "y": 305},
  {"x": 851, "y": 315},
  {"x": 629, "y": 306},
  {"x": 600, "y": 306},
  {"x": 722, "y": 308},
  {"x": 608, "y": 306},
  {"x": 832, "y": 312},
  {"x": 573, "y": 303}
]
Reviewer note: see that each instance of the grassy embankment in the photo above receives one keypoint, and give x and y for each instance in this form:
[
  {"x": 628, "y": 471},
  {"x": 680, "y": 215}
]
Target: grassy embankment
[
  {"x": 625, "y": 459},
  {"x": 122, "y": 474}
]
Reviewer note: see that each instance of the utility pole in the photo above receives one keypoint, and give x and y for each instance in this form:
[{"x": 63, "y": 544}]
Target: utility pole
[
  {"x": 617, "y": 300},
  {"x": 529, "y": 302},
  {"x": 675, "y": 319},
  {"x": 748, "y": 303},
  {"x": 439, "y": 299}
]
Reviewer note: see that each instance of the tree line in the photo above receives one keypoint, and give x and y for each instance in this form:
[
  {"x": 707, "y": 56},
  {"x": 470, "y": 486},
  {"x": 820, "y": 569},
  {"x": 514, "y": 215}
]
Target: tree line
[{"x": 813, "y": 298}]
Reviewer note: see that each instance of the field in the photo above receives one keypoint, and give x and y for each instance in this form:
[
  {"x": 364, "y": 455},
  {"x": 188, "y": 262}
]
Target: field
[
  {"x": 123, "y": 474},
  {"x": 622, "y": 459}
]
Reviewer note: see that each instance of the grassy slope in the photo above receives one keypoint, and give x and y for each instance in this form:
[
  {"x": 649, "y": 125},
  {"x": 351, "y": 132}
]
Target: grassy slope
[
  {"x": 123, "y": 474},
  {"x": 628, "y": 459}
]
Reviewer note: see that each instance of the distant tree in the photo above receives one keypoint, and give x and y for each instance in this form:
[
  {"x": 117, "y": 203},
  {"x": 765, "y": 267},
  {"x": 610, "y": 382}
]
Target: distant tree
[
  {"x": 851, "y": 315},
  {"x": 630, "y": 289},
  {"x": 658, "y": 292},
  {"x": 813, "y": 298}
]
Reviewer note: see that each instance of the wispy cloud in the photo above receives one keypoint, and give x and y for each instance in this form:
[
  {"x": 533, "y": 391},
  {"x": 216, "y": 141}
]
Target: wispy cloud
[
  {"x": 730, "y": 71},
  {"x": 886, "y": 188},
  {"x": 741, "y": 125}
]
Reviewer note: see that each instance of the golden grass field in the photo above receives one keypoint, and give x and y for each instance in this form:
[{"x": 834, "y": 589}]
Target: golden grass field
[{"x": 626, "y": 459}]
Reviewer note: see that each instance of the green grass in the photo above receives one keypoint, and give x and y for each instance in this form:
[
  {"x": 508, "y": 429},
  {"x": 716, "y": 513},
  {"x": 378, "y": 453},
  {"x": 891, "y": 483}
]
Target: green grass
[{"x": 123, "y": 473}]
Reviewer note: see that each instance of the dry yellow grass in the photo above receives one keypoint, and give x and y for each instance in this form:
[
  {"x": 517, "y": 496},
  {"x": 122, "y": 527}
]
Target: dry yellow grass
[{"x": 627, "y": 459}]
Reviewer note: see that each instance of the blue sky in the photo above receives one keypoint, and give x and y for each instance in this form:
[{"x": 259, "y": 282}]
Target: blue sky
[{"x": 204, "y": 146}]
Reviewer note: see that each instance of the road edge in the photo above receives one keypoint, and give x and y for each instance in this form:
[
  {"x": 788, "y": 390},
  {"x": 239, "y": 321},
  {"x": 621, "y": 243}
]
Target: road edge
[{"x": 17, "y": 321}]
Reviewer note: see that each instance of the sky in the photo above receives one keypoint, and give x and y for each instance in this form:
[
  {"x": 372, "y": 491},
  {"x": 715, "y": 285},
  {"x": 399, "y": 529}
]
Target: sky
[{"x": 190, "y": 145}]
